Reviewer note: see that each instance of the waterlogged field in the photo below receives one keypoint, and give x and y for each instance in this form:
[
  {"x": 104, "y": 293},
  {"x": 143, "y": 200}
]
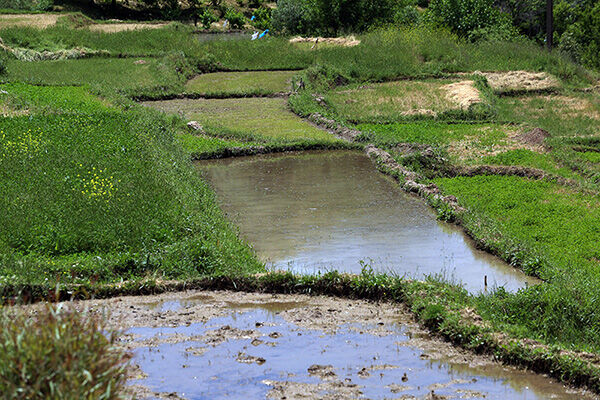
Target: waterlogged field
[
  {"x": 255, "y": 83},
  {"x": 251, "y": 119}
]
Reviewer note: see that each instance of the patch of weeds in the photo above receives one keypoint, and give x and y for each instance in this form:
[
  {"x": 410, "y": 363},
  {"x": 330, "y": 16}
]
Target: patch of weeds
[{"x": 59, "y": 353}]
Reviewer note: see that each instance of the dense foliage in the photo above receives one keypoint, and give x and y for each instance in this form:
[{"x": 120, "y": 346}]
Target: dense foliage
[{"x": 59, "y": 354}]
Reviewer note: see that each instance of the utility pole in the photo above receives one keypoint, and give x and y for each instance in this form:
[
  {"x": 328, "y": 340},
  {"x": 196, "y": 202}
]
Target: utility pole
[{"x": 549, "y": 23}]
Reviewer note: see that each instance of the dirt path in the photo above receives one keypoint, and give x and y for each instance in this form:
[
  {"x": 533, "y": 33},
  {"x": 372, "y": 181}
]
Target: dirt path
[{"x": 221, "y": 344}]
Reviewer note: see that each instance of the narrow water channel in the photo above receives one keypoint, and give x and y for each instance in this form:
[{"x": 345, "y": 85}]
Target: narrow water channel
[{"x": 319, "y": 211}]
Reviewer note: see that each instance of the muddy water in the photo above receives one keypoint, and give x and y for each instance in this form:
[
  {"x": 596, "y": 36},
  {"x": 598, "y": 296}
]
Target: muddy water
[
  {"x": 299, "y": 347},
  {"x": 319, "y": 211}
]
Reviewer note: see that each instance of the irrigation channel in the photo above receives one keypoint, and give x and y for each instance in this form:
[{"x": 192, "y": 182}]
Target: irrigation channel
[
  {"x": 232, "y": 345},
  {"x": 319, "y": 211}
]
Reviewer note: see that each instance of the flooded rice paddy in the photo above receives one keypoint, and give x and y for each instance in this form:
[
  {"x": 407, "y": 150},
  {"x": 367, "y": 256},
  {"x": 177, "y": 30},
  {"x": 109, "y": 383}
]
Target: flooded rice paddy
[
  {"x": 318, "y": 211},
  {"x": 227, "y": 345}
]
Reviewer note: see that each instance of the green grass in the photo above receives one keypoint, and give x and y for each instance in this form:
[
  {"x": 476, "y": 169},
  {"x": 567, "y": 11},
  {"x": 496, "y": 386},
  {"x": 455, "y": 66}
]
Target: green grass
[
  {"x": 591, "y": 156},
  {"x": 154, "y": 77},
  {"x": 552, "y": 232},
  {"x": 222, "y": 84},
  {"x": 528, "y": 158},
  {"x": 106, "y": 196},
  {"x": 198, "y": 145},
  {"x": 48, "y": 99},
  {"x": 432, "y": 133},
  {"x": 251, "y": 119},
  {"x": 570, "y": 118}
]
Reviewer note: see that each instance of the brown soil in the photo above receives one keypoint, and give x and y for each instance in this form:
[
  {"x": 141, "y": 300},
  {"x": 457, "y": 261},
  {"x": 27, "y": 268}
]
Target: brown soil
[
  {"x": 534, "y": 137},
  {"x": 349, "y": 41},
  {"x": 40, "y": 21},
  {"x": 113, "y": 28},
  {"x": 463, "y": 93},
  {"x": 521, "y": 81}
]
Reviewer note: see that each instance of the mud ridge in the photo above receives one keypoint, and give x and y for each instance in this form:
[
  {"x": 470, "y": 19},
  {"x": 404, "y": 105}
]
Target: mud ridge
[
  {"x": 333, "y": 127},
  {"x": 407, "y": 179},
  {"x": 508, "y": 170},
  {"x": 269, "y": 149}
]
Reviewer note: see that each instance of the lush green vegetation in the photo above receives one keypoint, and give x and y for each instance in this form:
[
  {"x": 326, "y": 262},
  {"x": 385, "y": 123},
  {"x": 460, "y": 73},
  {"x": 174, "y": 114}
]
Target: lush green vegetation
[
  {"x": 59, "y": 353},
  {"x": 227, "y": 84},
  {"x": 151, "y": 77},
  {"x": 105, "y": 195},
  {"x": 553, "y": 233}
]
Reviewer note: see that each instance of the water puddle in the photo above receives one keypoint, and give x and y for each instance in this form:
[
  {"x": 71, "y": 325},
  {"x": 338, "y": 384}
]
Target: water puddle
[
  {"x": 254, "y": 351},
  {"x": 318, "y": 211}
]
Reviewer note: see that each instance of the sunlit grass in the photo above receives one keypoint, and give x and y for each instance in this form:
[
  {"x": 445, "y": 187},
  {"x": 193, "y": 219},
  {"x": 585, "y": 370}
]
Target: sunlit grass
[
  {"x": 251, "y": 119},
  {"x": 221, "y": 84}
]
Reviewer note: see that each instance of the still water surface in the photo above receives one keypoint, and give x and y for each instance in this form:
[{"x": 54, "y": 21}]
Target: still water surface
[{"x": 318, "y": 211}]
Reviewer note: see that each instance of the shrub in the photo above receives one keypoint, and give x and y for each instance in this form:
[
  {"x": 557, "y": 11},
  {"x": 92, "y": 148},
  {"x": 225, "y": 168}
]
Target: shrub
[
  {"x": 407, "y": 15},
  {"x": 464, "y": 16},
  {"x": 59, "y": 354},
  {"x": 262, "y": 18},
  {"x": 235, "y": 18},
  {"x": 207, "y": 18},
  {"x": 29, "y": 5},
  {"x": 293, "y": 17}
]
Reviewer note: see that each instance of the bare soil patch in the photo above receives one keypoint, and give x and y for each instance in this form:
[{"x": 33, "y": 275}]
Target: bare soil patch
[
  {"x": 40, "y": 21},
  {"x": 463, "y": 93}
]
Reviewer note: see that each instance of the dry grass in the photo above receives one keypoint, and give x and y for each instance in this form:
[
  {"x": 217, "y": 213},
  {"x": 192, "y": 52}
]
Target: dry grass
[
  {"x": 316, "y": 42},
  {"x": 40, "y": 21},
  {"x": 490, "y": 141},
  {"x": 113, "y": 28},
  {"x": 463, "y": 93},
  {"x": 403, "y": 99},
  {"x": 567, "y": 106},
  {"x": 521, "y": 81}
]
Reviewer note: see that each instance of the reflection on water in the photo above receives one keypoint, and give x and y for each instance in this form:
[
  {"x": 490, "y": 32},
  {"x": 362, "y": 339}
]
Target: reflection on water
[
  {"x": 200, "y": 368},
  {"x": 318, "y": 211}
]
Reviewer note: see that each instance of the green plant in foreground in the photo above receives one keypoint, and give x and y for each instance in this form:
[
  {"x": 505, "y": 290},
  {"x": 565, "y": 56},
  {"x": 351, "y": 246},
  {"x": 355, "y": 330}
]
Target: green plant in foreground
[{"x": 59, "y": 353}]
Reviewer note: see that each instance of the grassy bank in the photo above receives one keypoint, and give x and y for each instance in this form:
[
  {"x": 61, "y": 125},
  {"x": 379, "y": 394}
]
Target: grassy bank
[{"x": 102, "y": 195}]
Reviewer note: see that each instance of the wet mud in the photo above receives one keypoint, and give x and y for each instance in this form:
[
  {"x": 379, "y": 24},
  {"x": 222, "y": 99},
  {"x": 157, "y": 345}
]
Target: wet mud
[
  {"x": 220, "y": 344},
  {"x": 316, "y": 211}
]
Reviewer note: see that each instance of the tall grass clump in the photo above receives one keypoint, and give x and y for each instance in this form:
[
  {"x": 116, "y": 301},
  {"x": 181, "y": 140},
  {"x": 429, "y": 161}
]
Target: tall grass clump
[{"x": 59, "y": 354}]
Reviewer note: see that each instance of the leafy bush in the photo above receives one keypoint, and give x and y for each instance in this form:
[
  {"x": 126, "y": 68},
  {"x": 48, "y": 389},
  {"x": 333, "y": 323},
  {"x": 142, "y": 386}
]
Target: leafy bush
[
  {"x": 293, "y": 17},
  {"x": 207, "y": 18},
  {"x": 59, "y": 354},
  {"x": 407, "y": 15},
  {"x": 29, "y": 5},
  {"x": 464, "y": 16},
  {"x": 235, "y": 18},
  {"x": 262, "y": 18}
]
